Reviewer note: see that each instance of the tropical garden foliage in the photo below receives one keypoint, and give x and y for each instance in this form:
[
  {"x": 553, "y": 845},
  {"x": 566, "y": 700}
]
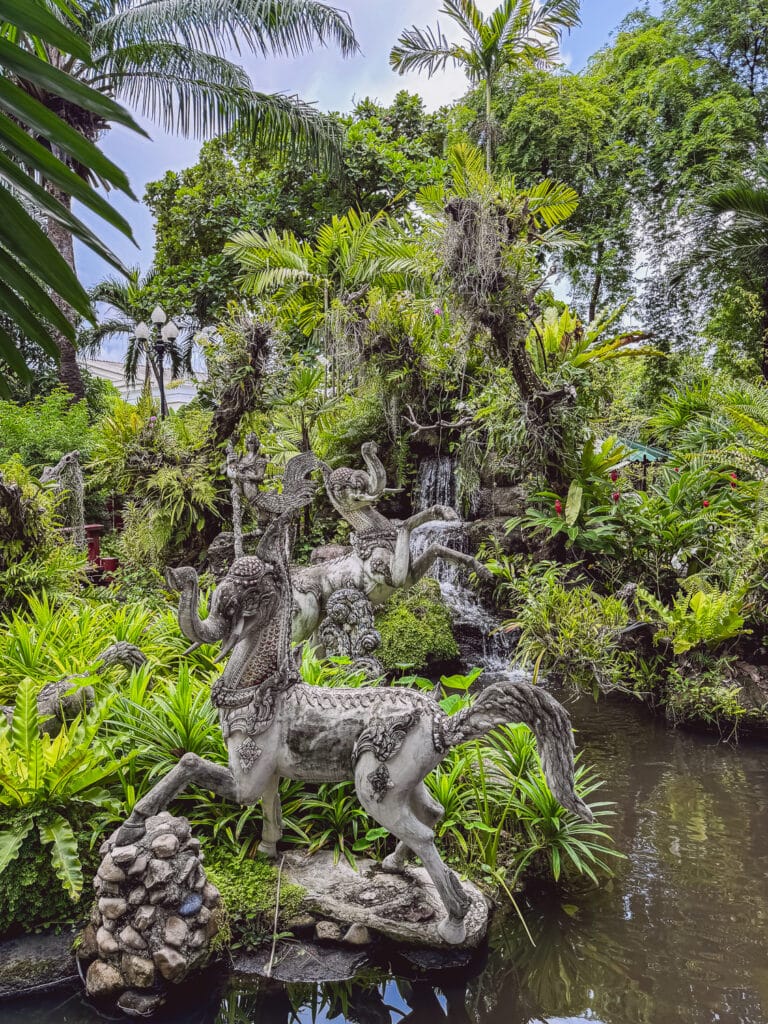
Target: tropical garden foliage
[{"x": 558, "y": 284}]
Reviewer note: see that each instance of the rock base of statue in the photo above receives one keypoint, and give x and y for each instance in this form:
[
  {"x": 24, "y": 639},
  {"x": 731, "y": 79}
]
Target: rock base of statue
[
  {"x": 153, "y": 919},
  {"x": 404, "y": 907}
]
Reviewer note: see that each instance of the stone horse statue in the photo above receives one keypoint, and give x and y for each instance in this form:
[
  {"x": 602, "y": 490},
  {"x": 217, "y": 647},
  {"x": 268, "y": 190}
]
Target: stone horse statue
[{"x": 386, "y": 740}]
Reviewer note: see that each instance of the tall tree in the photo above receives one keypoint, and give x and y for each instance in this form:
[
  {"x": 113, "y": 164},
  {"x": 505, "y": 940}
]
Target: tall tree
[
  {"x": 517, "y": 34},
  {"x": 165, "y": 58},
  {"x": 566, "y": 126},
  {"x": 734, "y": 242},
  {"x": 35, "y": 142},
  {"x": 387, "y": 153}
]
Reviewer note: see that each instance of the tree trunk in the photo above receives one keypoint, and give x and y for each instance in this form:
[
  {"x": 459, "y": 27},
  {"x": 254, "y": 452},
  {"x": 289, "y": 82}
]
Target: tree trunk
[
  {"x": 596, "y": 284},
  {"x": 61, "y": 237},
  {"x": 488, "y": 137},
  {"x": 764, "y": 333}
]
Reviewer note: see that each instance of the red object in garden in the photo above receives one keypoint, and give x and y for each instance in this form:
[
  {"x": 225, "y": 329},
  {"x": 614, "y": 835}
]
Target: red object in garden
[
  {"x": 614, "y": 475},
  {"x": 559, "y": 507},
  {"x": 93, "y": 532},
  {"x": 705, "y": 503},
  {"x": 615, "y": 495}
]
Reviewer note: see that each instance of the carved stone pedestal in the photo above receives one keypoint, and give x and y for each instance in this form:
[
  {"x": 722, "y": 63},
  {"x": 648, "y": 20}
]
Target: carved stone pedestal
[{"x": 403, "y": 908}]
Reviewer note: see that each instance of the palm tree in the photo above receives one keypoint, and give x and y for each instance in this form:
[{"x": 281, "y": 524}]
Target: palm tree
[
  {"x": 737, "y": 242},
  {"x": 165, "y": 58},
  {"x": 130, "y": 301},
  {"x": 35, "y": 281},
  {"x": 518, "y": 33},
  {"x": 317, "y": 286}
]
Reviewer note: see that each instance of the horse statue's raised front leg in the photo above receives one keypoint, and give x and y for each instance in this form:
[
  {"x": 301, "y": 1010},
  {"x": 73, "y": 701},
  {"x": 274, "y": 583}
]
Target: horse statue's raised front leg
[{"x": 191, "y": 770}]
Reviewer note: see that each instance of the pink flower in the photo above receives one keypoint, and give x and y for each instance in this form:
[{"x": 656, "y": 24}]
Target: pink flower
[
  {"x": 705, "y": 503},
  {"x": 437, "y": 311},
  {"x": 558, "y": 507},
  {"x": 614, "y": 475},
  {"x": 615, "y": 495},
  {"x": 153, "y": 419}
]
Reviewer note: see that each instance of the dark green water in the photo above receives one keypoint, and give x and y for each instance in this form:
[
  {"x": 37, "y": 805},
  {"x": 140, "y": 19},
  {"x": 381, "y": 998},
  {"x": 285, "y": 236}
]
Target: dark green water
[{"x": 680, "y": 935}]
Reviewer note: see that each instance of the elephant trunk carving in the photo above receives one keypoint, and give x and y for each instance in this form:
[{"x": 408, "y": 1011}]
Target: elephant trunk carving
[{"x": 201, "y": 631}]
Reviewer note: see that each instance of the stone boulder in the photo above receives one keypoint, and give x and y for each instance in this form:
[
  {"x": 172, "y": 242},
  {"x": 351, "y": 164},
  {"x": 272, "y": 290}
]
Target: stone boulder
[
  {"x": 503, "y": 502},
  {"x": 403, "y": 908},
  {"x": 36, "y": 963}
]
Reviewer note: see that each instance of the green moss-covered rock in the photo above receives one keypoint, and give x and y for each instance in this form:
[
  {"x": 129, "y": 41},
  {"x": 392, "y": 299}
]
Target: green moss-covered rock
[
  {"x": 248, "y": 890},
  {"x": 416, "y": 629}
]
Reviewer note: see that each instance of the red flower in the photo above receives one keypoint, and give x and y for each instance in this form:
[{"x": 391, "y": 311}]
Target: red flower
[
  {"x": 615, "y": 495},
  {"x": 614, "y": 475},
  {"x": 734, "y": 477},
  {"x": 705, "y": 503},
  {"x": 733, "y": 486},
  {"x": 558, "y": 507},
  {"x": 677, "y": 469}
]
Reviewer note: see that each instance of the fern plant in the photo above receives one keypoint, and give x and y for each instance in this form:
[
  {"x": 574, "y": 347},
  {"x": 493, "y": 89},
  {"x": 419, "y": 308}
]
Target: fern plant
[
  {"x": 701, "y": 614},
  {"x": 48, "y": 782}
]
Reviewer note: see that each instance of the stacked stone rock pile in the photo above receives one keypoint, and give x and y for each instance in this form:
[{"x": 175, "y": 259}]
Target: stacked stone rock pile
[{"x": 154, "y": 916}]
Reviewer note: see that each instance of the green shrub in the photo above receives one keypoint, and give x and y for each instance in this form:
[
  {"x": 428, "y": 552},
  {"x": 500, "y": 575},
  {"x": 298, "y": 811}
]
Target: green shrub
[
  {"x": 573, "y": 633},
  {"x": 33, "y": 555},
  {"x": 31, "y": 895},
  {"x": 43, "y": 430},
  {"x": 416, "y": 629},
  {"x": 49, "y": 784}
]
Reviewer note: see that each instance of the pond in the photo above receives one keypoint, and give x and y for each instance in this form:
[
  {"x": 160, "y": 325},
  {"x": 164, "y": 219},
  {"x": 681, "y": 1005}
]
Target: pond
[{"x": 679, "y": 935}]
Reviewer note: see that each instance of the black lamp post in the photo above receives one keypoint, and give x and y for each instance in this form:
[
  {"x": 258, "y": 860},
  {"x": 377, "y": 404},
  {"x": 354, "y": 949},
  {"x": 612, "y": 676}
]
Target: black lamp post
[{"x": 161, "y": 335}]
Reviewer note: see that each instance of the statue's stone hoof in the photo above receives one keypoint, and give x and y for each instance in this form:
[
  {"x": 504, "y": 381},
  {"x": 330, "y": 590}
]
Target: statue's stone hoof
[
  {"x": 268, "y": 849},
  {"x": 130, "y": 832},
  {"x": 452, "y": 930},
  {"x": 392, "y": 865}
]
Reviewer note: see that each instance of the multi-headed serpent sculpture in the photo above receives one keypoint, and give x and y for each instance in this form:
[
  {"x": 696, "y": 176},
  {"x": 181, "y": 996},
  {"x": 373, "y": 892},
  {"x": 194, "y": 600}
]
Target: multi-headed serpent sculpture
[{"x": 384, "y": 739}]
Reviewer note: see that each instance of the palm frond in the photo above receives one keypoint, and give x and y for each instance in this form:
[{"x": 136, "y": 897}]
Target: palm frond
[{"x": 218, "y": 26}]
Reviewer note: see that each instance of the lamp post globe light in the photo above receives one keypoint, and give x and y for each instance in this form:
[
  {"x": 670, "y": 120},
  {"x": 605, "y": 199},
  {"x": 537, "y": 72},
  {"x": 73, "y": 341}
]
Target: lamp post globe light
[{"x": 158, "y": 338}]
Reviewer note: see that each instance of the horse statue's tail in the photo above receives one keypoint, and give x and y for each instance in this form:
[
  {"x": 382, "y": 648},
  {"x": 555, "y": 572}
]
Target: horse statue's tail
[{"x": 508, "y": 702}]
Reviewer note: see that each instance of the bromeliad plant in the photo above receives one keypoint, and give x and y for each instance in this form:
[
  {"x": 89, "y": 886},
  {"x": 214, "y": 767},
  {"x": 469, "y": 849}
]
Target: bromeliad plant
[{"x": 51, "y": 783}]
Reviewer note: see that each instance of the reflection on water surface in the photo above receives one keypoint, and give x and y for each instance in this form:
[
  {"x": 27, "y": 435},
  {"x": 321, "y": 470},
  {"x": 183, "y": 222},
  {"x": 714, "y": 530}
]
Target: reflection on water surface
[{"x": 680, "y": 935}]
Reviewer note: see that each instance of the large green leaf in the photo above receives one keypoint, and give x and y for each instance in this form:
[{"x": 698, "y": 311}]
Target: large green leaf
[
  {"x": 64, "y": 855},
  {"x": 29, "y": 111},
  {"x": 46, "y": 203},
  {"x": 573, "y": 503},
  {"x": 34, "y": 155},
  {"x": 37, "y": 21},
  {"x": 22, "y": 236},
  {"x": 29, "y": 68},
  {"x": 11, "y": 840},
  {"x": 25, "y": 732},
  {"x": 30, "y": 290}
]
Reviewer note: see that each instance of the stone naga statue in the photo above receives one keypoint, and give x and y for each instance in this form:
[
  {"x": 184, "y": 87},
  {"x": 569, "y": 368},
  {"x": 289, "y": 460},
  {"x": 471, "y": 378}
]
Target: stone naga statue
[
  {"x": 386, "y": 740},
  {"x": 66, "y": 478}
]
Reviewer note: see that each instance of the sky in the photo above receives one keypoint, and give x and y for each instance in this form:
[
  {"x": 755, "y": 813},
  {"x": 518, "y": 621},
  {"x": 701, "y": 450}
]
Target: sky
[{"x": 333, "y": 83}]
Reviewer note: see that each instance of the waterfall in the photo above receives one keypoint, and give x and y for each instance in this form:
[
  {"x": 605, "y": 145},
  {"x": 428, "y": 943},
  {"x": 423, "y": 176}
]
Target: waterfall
[{"x": 476, "y": 626}]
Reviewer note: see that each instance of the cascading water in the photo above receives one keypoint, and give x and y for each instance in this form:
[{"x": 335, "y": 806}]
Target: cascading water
[{"x": 477, "y": 628}]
